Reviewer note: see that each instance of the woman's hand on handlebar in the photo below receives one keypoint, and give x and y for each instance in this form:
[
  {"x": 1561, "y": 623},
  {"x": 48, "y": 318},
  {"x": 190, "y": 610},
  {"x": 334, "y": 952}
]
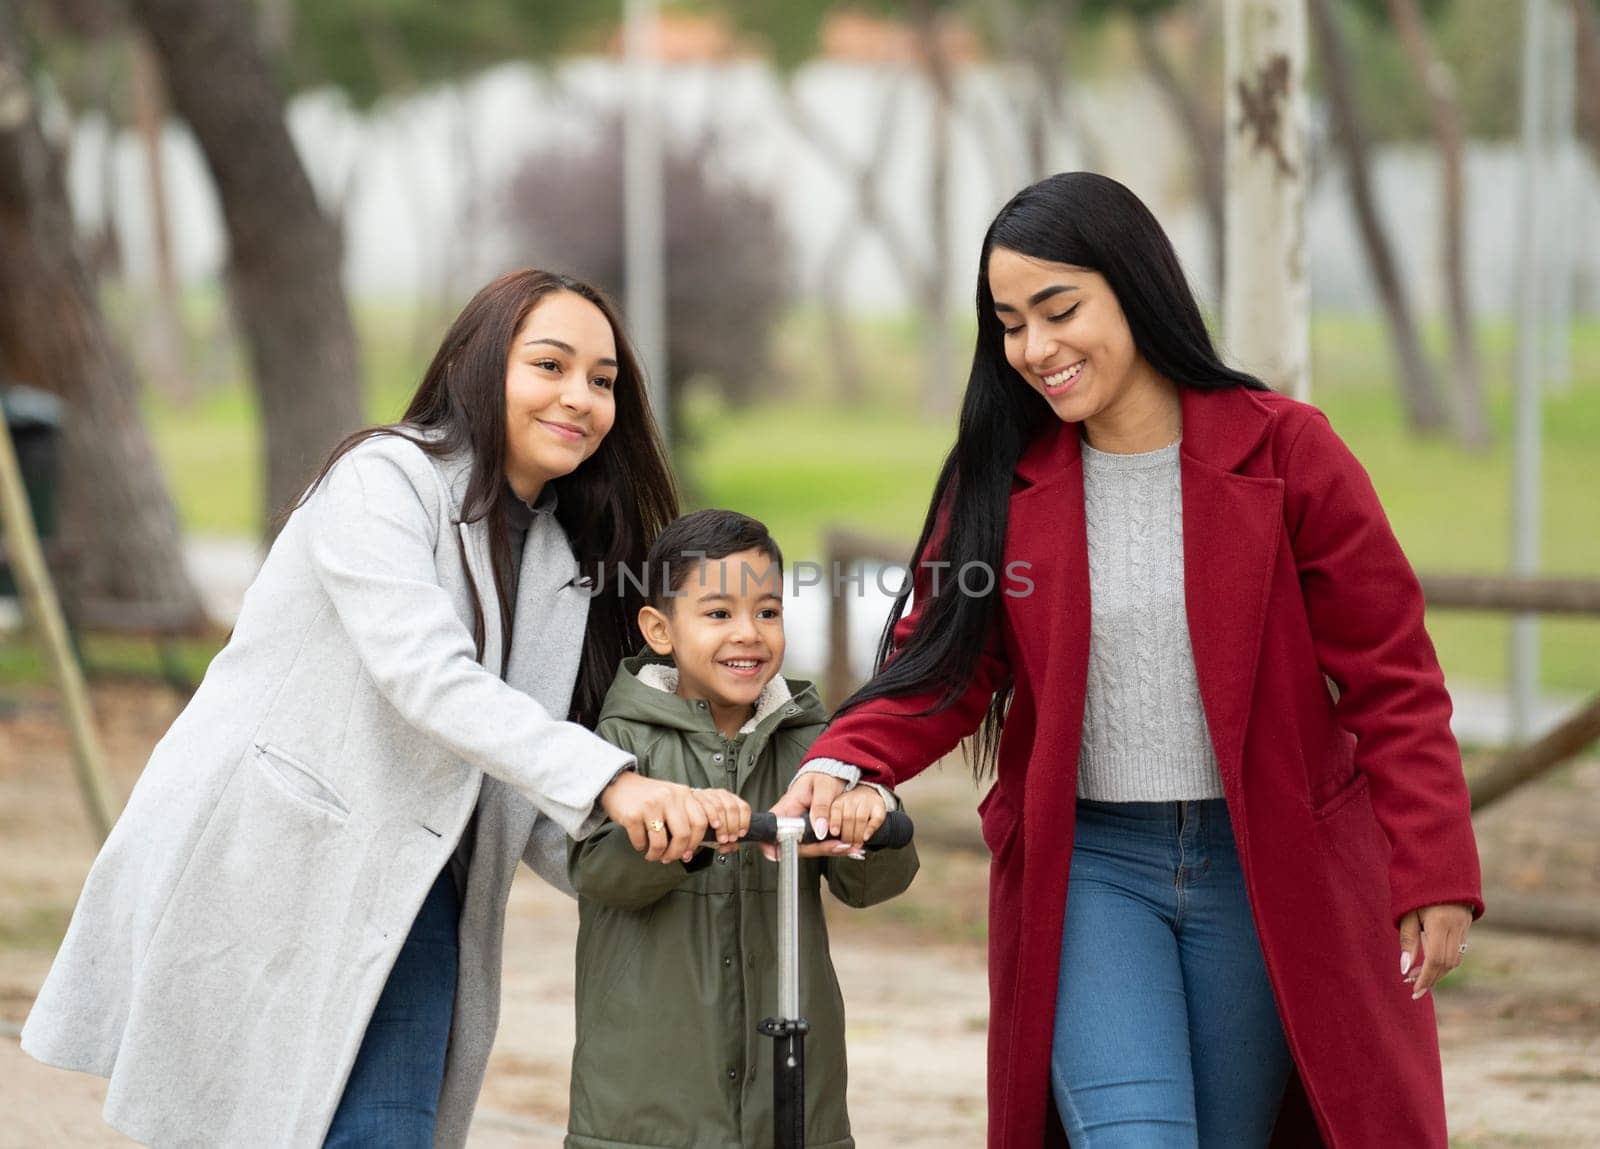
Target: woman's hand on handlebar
[
  {"x": 812, "y": 795},
  {"x": 665, "y": 821}
]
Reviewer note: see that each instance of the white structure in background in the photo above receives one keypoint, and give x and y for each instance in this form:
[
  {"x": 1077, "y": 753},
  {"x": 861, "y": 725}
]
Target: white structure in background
[
  {"x": 1266, "y": 310},
  {"x": 413, "y": 174}
]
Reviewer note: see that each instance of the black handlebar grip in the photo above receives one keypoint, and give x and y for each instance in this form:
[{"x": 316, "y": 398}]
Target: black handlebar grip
[
  {"x": 894, "y": 834},
  {"x": 763, "y": 827}
]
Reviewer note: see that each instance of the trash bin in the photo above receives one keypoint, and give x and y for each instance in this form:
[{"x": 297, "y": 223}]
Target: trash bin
[{"x": 35, "y": 420}]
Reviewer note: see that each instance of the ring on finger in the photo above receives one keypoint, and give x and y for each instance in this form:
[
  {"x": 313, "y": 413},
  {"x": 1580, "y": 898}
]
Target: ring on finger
[{"x": 656, "y": 826}]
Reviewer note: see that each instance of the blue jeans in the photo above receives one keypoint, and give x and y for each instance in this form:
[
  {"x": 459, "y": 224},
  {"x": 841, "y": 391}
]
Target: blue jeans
[
  {"x": 392, "y": 1097},
  {"x": 1166, "y": 1033}
]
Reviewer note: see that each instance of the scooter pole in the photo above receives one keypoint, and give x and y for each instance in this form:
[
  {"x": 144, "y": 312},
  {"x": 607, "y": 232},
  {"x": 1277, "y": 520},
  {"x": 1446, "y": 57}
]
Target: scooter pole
[{"x": 788, "y": 1029}]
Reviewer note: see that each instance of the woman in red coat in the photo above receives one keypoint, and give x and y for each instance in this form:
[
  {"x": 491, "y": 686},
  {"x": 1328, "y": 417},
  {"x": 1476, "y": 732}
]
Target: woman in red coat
[{"x": 1231, "y": 837}]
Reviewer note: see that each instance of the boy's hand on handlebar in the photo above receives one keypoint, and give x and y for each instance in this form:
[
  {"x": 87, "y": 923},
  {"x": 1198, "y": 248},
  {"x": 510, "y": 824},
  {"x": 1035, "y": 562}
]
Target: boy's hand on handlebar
[
  {"x": 856, "y": 815},
  {"x": 727, "y": 814}
]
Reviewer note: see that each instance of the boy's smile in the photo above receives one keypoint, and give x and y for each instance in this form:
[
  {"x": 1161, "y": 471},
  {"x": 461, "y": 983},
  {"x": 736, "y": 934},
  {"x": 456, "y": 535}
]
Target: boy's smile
[{"x": 723, "y": 628}]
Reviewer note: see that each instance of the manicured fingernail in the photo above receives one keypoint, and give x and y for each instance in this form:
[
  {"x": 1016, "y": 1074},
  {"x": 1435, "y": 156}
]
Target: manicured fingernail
[
  {"x": 859, "y": 855},
  {"x": 820, "y": 827},
  {"x": 1419, "y": 994},
  {"x": 1405, "y": 963}
]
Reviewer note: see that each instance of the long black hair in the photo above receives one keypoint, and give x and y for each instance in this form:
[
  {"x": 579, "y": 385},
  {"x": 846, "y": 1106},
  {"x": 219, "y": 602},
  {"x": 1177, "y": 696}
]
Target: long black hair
[
  {"x": 1087, "y": 221},
  {"x": 612, "y": 506}
]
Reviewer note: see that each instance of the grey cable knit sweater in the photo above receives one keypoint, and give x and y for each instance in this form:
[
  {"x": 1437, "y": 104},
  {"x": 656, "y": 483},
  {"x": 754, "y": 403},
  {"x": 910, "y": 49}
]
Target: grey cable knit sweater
[{"x": 1144, "y": 732}]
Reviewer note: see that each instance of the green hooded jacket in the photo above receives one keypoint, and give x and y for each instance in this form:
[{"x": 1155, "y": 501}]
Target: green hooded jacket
[{"x": 678, "y": 962}]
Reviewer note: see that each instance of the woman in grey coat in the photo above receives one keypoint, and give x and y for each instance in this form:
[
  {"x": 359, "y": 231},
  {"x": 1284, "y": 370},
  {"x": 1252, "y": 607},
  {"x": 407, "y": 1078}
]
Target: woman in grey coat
[{"x": 293, "y": 934}]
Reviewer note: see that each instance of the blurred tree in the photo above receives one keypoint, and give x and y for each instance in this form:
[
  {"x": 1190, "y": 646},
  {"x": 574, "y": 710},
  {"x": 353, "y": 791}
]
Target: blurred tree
[
  {"x": 861, "y": 174},
  {"x": 53, "y": 335},
  {"x": 1586, "y": 16},
  {"x": 377, "y": 49},
  {"x": 284, "y": 258},
  {"x": 792, "y": 29},
  {"x": 1434, "y": 75},
  {"x": 99, "y": 66},
  {"x": 726, "y": 261},
  {"x": 1419, "y": 389},
  {"x": 1469, "y": 37},
  {"x": 1193, "y": 91},
  {"x": 1030, "y": 38}
]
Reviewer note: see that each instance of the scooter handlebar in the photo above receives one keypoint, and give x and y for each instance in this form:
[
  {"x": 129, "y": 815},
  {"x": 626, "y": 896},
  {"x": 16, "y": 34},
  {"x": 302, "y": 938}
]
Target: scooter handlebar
[{"x": 895, "y": 832}]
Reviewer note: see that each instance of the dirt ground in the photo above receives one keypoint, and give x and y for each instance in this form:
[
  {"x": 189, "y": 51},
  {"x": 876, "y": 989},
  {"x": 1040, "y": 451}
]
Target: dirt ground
[{"x": 1519, "y": 1025}]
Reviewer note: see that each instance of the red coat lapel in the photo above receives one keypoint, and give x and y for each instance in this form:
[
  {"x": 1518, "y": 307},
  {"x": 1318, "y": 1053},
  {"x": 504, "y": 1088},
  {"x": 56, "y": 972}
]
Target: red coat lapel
[
  {"x": 1051, "y": 624},
  {"x": 1231, "y": 526},
  {"x": 1232, "y": 523}
]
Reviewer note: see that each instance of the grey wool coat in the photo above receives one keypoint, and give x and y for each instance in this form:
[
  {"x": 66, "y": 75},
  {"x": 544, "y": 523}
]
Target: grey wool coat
[{"x": 237, "y": 928}]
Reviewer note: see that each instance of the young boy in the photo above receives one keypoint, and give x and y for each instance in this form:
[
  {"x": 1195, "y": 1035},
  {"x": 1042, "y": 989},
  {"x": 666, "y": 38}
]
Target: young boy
[{"x": 678, "y": 961}]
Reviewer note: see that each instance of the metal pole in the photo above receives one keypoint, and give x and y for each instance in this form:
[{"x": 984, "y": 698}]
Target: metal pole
[
  {"x": 44, "y": 612},
  {"x": 789, "y": 922},
  {"x": 643, "y": 202},
  {"x": 1560, "y": 252},
  {"x": 788, "y": 1029},
  {"x": 1524, "y": 652}
]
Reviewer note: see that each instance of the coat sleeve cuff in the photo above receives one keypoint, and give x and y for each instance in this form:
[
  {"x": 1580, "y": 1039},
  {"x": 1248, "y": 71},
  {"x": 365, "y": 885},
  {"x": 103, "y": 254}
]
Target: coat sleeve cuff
[
  {"x": 890, "y": 802},
  {"x": 597, "y": 814}
]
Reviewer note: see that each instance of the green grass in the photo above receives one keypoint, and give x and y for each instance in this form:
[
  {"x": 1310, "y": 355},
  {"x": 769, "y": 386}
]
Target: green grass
[{"x": 805, "y": 459}]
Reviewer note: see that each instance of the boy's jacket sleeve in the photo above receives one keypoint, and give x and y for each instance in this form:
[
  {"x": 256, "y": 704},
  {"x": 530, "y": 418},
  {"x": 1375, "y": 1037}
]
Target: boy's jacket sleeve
[
  {"x": 606, "y": 867},
  {"x": 884, "y": 874}
]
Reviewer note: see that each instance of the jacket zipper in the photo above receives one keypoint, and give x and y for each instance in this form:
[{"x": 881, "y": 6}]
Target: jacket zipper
[{"x": 731, "y": 767}]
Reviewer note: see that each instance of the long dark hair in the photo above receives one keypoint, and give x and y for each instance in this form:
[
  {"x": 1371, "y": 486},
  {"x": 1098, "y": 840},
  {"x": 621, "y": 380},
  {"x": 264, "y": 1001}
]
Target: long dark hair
[
  {"x": 612, "y": 506},
  {"x": 1088, "y": 221}
]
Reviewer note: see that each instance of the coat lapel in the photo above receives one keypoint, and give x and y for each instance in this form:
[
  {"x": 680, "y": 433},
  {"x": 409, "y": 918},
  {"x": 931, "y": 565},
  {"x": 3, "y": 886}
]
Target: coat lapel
[
  {"x": 1231, "y": 526},
  {"x": 548, "y": 577},
  {"x": 1051, "y": 625},
  {"x": 475, "y": 551}
]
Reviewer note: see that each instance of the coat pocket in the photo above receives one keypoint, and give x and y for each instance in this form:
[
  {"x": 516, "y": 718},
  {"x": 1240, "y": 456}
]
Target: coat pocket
[
  {"x": 299, "y": 781},
  {"x": 1342, "y": 797},
  {"x": 998, "y": 820}
]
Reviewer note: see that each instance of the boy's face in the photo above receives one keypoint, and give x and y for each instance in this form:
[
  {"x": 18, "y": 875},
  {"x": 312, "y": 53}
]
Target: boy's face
[{"x": 723, "y": 629}]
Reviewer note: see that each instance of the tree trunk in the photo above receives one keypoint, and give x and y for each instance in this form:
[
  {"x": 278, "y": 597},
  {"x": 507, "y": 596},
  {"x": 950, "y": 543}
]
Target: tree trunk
[
  {"x": 117, "y": 509},
  {"x": 170, "y": 359},
  {"x": 842, "y": 353},
  {"x": 1587, "y": 24},
  {"x": 939, "y": 357},
  {"x": 1419, "y": 389},
  {"x": 1039, "y": 41},
  {"x": 1439, "y": 83},
  {"x": 1266, "y": 308},
  {"x": 1204, "y": 135},
  {"x": 284, "y": 255}
]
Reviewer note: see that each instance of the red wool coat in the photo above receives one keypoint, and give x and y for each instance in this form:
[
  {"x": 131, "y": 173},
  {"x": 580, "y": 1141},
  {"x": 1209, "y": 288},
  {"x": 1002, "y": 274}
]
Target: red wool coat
[{"x": 1349, "y": 805}]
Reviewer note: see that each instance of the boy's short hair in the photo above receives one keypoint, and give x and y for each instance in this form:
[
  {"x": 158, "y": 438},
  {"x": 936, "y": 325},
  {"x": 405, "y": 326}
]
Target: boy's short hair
[{"x": 700, "y": 537}]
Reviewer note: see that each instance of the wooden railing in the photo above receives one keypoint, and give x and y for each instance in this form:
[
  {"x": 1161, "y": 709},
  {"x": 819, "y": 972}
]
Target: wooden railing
[{"x": 1499, "y": 594}]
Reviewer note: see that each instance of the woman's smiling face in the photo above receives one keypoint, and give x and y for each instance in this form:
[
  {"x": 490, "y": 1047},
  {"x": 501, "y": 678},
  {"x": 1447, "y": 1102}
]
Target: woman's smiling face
[
  {"x": 560, "y": 380},
  {"x": 1065, "y": 334}
]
